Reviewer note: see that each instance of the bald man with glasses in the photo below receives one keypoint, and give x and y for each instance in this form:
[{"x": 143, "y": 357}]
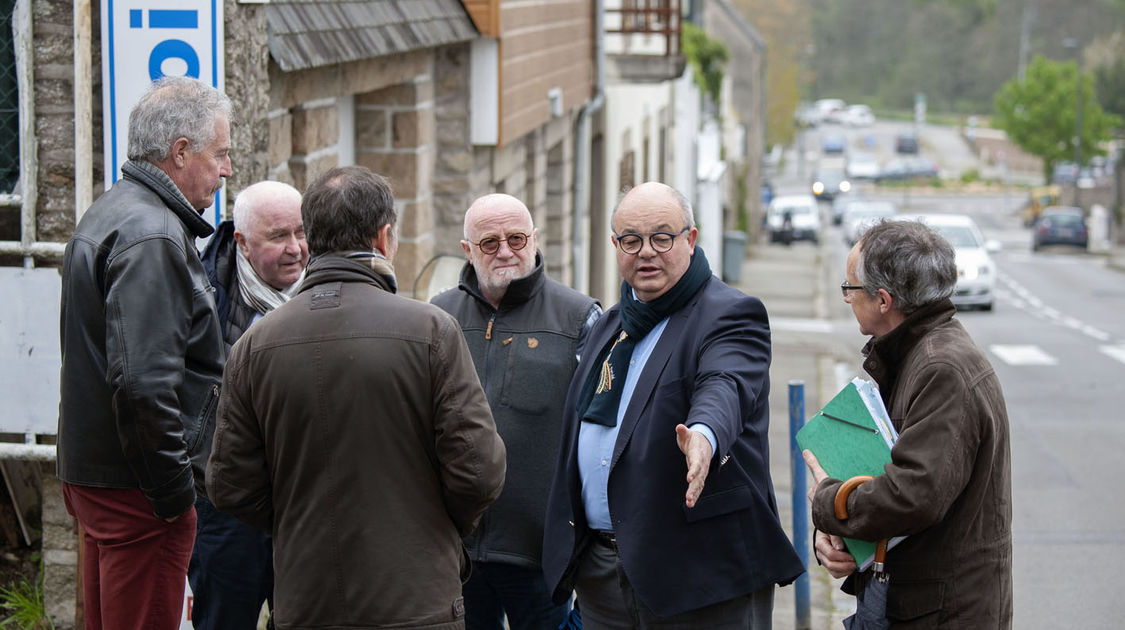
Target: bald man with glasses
[
  {"x": 662, "y": 512},
  {"x": 525, "y": 332}
]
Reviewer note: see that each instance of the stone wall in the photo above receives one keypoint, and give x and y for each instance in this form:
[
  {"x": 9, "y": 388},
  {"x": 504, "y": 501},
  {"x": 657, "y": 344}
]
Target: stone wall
[
  {"x": 53, "y": 82},
  {"x": 247, "y": 60}
]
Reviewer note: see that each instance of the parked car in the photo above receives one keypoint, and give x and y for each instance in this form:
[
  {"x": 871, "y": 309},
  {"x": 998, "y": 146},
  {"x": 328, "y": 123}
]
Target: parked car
[
  {"x": 858, "y": 116},
  {"x": 829, "y": 182},
  {"x": 804, "y": 217},
  {"x": 976, "y": 273},
  {"x": 907, "y": 168},
  {"x": 906, "y": 143},
  {"x": 1060, "y": 225},
  {"x": 862, "y": 166},
  {"x": 828, "y": 110},
  {"x": 833, "y": 143},
  {"x": 860, "y": 215}
]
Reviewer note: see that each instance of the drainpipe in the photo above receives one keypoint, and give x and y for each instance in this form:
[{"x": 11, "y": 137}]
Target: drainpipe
[
  {"x": 83, "y": 111},
  {"x": 582, "y": 154}
]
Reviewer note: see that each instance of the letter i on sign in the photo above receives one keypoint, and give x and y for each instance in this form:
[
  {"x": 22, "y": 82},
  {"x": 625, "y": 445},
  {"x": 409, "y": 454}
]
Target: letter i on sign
[{"x": 144, "y": 40}]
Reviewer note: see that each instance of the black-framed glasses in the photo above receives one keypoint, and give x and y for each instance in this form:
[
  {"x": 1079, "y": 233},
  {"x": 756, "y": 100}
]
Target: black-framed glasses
[
  {"x": 631, "y": 242},
  {"x": 515, "y": 242},
  {"x": 845, "y": 287}
]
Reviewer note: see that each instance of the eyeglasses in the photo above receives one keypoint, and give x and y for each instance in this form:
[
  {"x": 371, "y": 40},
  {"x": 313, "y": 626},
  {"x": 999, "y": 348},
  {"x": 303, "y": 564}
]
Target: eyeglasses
[
  {"x": 631, "y": 243},
  {"x": 515, "y": 242},
  {"x": 845, "y": 287}
]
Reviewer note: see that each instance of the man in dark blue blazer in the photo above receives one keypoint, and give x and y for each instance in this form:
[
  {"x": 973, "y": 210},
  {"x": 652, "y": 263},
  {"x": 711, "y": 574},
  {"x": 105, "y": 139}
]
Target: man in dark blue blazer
[{"x": 662, "y": 512}]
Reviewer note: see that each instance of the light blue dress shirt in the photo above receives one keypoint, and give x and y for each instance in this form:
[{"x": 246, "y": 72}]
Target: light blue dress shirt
[{"x": 596, "y": 442}]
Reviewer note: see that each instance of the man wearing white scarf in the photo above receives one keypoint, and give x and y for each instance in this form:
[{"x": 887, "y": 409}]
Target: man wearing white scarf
[{"x": 255, "y": 263}]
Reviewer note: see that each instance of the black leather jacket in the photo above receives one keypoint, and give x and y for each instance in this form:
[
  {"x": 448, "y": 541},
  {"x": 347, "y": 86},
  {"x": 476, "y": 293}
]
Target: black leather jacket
[{"x": 142, "y": 349}]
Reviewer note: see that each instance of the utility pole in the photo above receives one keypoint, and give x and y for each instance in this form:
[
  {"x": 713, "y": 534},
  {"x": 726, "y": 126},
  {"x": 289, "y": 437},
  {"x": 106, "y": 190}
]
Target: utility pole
[{"x": 1072, "y": 44}]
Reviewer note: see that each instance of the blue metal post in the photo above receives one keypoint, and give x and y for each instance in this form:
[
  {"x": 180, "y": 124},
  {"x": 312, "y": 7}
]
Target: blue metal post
[{"x": 800, "y": 504}]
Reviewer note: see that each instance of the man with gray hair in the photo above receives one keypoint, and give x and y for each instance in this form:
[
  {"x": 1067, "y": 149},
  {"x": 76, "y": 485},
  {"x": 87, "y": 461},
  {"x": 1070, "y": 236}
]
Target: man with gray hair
[
  {"x": 948, "y": 487},
  {"x": 255, "y": 263},
  {"x": 142, "y": 359}
]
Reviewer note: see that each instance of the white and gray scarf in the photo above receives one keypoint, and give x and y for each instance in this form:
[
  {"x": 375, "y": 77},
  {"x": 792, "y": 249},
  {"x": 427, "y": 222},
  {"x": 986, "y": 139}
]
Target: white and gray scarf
[{"x": 255, "y": 292}]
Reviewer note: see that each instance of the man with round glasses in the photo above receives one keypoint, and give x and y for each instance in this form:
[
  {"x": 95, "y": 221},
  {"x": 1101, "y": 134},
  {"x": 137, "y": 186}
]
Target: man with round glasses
[
  {"x": 525, "y": 332},
  {"x": 662, "y": 512}
]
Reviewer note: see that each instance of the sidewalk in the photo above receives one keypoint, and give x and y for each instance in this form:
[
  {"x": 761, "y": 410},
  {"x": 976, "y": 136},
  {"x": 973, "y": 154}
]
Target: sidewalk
[{"x": 791, "y": 284}]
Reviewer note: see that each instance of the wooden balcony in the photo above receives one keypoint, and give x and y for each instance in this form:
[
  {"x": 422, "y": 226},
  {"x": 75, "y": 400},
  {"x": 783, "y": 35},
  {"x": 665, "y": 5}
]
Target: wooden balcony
[{"x": 643, "y": 39}]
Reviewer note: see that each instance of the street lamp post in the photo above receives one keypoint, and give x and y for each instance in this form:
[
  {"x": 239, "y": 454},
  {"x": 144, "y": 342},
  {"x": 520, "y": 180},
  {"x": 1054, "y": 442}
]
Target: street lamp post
[{"x": 1071, "y": 44}]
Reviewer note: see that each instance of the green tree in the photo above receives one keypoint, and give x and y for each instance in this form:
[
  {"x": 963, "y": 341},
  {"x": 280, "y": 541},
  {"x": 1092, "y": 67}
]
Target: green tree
[
  {"x": 1039, "y": 113},
  {"x": 707, "y": 57}
]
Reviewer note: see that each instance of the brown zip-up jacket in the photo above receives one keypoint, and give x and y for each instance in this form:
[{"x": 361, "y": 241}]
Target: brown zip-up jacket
[
  {"x": 352, "y": 427},
  {"x": 948, "y": 486}
]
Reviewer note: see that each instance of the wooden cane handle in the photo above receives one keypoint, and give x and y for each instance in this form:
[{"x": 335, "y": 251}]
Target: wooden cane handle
[{"x": 845, "y": 490}]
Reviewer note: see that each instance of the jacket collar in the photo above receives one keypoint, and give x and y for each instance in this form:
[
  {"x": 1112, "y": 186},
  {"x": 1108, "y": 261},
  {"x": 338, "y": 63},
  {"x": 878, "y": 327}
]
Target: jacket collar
[
  {"x": 150, "y": 176},
  {"x": 885, "y": 354},
  {"x": 334, "y": 267},
  {"x": 519, "y": 291}
]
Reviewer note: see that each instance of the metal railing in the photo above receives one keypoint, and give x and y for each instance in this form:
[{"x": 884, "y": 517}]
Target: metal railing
[{"x": 648, "y": 17}]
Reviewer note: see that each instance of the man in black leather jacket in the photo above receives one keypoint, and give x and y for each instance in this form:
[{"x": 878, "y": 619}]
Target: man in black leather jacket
[
  {"x": 142, "y": 358},
  {"x": 255, "y": 263}
]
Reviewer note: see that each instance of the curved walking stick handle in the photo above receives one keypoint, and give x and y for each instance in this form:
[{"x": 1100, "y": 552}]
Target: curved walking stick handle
[
  {"x": 841, "y": 506},
  {"x": 845, "y": 491}
]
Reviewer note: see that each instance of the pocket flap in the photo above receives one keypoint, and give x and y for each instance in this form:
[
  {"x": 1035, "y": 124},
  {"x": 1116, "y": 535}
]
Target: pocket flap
[
  {"x": 907, "y": 601},
  {"x": 719, "y": 503}
]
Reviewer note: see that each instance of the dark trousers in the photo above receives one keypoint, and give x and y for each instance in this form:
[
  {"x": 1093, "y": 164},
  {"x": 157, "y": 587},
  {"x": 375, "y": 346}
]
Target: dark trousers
[
  {"x": 495, "y": 589},
  {"x": 608, "y": 602},
  {"x": 231, "y": 571},
  {"x": 133, "y": 562}
]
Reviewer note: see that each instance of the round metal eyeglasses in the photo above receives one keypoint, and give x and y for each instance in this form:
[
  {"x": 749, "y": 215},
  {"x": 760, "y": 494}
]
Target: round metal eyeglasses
[
  {"x": 515, "y": 242},
  {"x": 631, "y": 242}
]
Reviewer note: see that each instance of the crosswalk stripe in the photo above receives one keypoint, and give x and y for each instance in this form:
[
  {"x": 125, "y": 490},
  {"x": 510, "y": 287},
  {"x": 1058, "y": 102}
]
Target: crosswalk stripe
[
  {"x": 1022, "y": 355},
  {"x": 1117, "y": 352}
]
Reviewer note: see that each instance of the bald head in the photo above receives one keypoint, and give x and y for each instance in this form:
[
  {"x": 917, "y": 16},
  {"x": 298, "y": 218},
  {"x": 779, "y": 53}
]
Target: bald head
[
  {"x": 498, "y": 217},
  {"x": 492, "y": 207},
  {"x": 656, "y": 194}
]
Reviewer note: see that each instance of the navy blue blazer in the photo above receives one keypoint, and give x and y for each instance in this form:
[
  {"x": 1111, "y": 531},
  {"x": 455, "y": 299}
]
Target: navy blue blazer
[{"x": 711, "y": 365}]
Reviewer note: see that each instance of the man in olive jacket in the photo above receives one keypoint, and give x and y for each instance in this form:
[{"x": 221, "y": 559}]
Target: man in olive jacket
[
  {"x": 948, "y": 486},
  {"x": 352, "y": 427}
]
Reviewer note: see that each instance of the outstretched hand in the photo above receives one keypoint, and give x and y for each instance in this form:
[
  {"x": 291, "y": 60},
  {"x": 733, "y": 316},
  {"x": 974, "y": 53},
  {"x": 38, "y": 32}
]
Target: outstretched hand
[{"x": 697, "y": 451}]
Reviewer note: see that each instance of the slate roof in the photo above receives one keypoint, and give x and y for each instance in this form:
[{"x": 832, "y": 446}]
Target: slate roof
[{"x": 310, "y": 33}]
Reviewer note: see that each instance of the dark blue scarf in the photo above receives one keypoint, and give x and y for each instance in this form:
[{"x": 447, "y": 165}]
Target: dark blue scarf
[{"x": 601, "y": 394}]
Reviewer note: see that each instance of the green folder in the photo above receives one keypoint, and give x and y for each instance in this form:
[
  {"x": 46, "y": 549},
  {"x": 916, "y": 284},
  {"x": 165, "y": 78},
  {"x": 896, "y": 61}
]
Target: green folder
[{"x": 848, "y": 440}]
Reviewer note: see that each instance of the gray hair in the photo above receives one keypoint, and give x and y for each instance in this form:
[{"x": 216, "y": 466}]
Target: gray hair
[
  {"x": 909, "y": 259},
  {"x": 252, "y": 197},
  {"x": 681, "y": 201},
  {"x": 174, "y": 108}
]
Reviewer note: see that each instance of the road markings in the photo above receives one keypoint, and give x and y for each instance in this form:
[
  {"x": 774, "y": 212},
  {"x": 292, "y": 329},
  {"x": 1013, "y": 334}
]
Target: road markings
[
  {"x": 1117, "y": 352},
  {"x": 1022, "y": 355},
  {"x": 1023, "y": 299}
]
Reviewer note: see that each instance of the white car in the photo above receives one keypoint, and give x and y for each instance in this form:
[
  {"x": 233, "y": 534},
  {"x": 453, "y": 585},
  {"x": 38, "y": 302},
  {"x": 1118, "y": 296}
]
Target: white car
[
  {"x": 862, "y": 166},
  {"x": 860, "y": 215},
  {"x": 976, "y": 273},
  {"x": 858, "y": 116},
  {"x": 804, "y": 214}
]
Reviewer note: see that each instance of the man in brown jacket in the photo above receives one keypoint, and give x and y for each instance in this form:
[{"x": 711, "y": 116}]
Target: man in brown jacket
[
  {"x": 352, "y": 427},
  {"x": 948, "y": 486}
]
